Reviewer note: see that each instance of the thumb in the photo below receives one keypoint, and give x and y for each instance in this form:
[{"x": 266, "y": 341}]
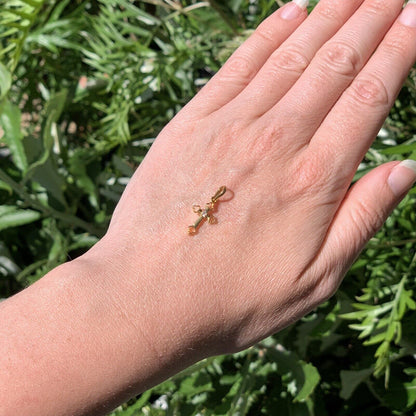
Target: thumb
[{"x": 363, "y": 211}]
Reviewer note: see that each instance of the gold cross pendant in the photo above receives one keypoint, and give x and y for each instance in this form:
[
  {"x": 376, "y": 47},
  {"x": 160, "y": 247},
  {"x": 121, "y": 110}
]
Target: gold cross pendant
[{"x": 206, "y": 213}]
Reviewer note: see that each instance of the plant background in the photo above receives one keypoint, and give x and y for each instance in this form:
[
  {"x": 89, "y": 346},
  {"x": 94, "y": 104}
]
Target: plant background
[{"x": 85, "y": 86}]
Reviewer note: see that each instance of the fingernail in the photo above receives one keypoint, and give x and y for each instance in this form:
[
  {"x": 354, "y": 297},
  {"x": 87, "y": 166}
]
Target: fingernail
[
  {"x": 294, "y": 9},
  {"x": 408, "y": 15},
  {"x": 402, "y": 177}
]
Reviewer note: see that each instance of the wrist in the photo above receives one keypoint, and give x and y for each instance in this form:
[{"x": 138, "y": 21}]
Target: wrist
[
  {"x": 84, "y": 335},
  {"x": 153, "y": 299}
]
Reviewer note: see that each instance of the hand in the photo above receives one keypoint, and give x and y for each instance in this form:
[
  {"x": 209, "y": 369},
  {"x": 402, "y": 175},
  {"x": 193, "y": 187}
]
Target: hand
[{"x": 283, "y": 125}]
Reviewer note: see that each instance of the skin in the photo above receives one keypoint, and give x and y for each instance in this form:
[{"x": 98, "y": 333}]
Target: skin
[{"x": 283, "y": 125}]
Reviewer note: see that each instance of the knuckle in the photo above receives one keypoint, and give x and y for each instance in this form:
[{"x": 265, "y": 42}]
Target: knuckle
[
  {"x": 372, "y": 92},
  {"x": 394, "y": 46},
  {"x": 311, "y": 175},
  {"x": 340, "y": 58},
  {"x": 366, "y": 220},
  {"x": 265, "y": 33},
  {"x": 241, "y": 68},
  {"x": 330, "y": 11},
  {"x": 267, "y": 140},
  {"x": 379, "y": 7},
  {"x": 290, "y": 59}
]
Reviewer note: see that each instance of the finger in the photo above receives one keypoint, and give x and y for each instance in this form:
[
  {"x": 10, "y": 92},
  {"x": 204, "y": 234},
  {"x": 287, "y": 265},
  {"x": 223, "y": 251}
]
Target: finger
[
  {"x": 244, "y": 64},
  {"x": 366, "y": 103},
  {"x": 363, "y": 211},
  {"x": 336, "y": 64},
  {"x": 287, "y": 64}
]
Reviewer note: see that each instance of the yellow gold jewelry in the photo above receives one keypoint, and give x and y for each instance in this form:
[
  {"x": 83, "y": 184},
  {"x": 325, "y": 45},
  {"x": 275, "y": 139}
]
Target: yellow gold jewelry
[{"x": 206, "y": 213}]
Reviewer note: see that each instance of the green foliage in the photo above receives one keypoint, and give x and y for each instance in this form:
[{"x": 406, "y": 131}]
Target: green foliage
[
  {"x": 16, "y": 19},
  {"x": 85, "y": 86},
  {"x": 263, "y": 380},
  {"x": 381, "y": 323}
]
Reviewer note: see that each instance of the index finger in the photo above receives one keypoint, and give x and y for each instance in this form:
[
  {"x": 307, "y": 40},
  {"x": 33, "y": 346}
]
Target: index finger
[{"x": 247, "y": 60}]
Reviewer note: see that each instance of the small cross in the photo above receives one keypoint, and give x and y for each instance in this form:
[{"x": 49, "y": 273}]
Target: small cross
[{"x": 206, "y": 213}]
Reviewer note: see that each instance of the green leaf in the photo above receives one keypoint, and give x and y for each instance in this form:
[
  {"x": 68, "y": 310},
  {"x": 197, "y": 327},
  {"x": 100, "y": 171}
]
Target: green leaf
[
  {"x": 235, "y": 5},
  {"x": 122, "y": 166},
  {"x": 78, "y": 164},
  {"x": 7, "y": 263},
  {"x": 11, "y": 216},
  {"x": 197, "y": 383},
  {"x": 400, "y": 394},
  {"x": 398, "y": 150},
  {"x": 83, "y": 241},
  {"x": 350, "y": 380},
  {"x": 376, "y": 339},
  {"x": 383, "y": 349},
  {"x": 5, "y": 81},
  {"x": 411, "y": 393},
  {"x": 303, "y": 377},
  {"x": 47, "y": 174},
  {"x": 410, "y": 372},
  {"x": 411, "y": 304},
  {"x": 10, "y": 120},
  {"x": 311, "y": 378},
  {"x": 53, "y": 111},
  {"x": 5, "y": 187}
]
